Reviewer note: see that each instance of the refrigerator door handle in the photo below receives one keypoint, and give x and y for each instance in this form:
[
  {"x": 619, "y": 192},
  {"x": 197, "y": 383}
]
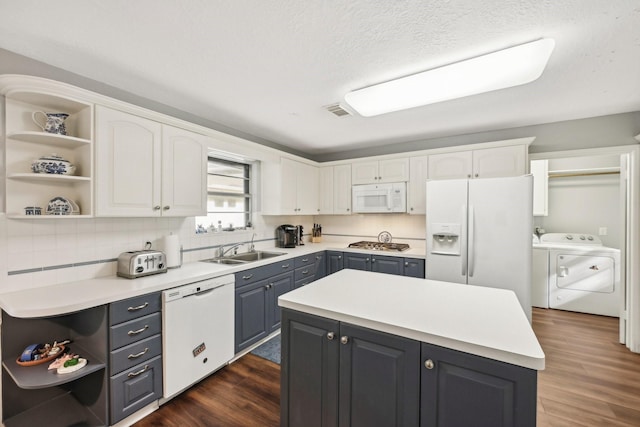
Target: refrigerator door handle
[
  {"x": 471, "y": 254},
  {"x": 463, "y": 241}
]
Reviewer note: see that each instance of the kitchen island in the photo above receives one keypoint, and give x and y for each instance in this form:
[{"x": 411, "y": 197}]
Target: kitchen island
[{"x": 362, "y": 348}]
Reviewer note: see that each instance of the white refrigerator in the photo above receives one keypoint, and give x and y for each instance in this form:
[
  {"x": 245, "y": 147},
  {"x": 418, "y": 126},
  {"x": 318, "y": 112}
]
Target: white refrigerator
[{"x": 479, "y": 233}]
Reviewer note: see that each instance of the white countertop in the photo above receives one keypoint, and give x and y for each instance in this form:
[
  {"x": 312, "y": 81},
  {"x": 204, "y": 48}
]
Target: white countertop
[
  {"x": 483, "y": 321},
  {"x": 54, "y": 300}
]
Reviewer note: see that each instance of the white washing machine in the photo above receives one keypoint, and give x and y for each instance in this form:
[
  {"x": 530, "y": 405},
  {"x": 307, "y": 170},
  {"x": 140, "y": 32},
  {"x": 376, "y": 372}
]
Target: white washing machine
[{"x": 583, "y": 275}]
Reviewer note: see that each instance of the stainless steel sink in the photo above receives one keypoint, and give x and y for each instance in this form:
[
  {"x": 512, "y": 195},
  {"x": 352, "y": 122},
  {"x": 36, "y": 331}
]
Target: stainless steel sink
[
  {"x": 224, "y": 261},
  {"x": 244, "y": 258},
  {"x": 255, "y": 256}
]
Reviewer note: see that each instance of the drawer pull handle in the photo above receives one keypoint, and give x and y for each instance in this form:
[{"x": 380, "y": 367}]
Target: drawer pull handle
[
  {"x": 305, "y": 259},
  {"x": 142, "y": 353},
  {"x": 305, "y": 271},
  {"x": 247, "y": 277},
  {"x": 139, "y": 331},
  {"x": 285, "y": 265},
  {"x": 141, "y": 371},
  {"x": 140, "y": 307}
]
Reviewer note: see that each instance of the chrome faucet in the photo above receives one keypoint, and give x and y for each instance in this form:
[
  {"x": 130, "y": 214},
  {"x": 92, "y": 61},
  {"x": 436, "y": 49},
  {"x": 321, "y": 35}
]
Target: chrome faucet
[
  {"x": 252, "y": 247},
  {"x": 222, "y": 251}
]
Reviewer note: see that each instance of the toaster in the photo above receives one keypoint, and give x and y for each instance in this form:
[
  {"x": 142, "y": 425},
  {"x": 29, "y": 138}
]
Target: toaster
[{"x": 141, "y": 263}]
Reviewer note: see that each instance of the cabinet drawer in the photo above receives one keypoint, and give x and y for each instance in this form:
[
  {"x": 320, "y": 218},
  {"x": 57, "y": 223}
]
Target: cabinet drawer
[
  {"x": 259, "y": 273},
  {"x": 135, "y": 330},
  {"x": 304, "y": 260},
  {"x": 134, "y": 354},
  {"x": 135, "y": 388},
  {"x": 128, "y": 309},
  {"x": 306, "y": 272}
]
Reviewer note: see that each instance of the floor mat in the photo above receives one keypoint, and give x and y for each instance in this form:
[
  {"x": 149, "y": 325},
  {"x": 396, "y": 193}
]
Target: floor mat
[{"x": 270, "y": 350}]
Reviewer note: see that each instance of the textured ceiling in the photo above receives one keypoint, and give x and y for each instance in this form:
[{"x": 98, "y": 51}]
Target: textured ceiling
[{"x": 267, "y": 68}]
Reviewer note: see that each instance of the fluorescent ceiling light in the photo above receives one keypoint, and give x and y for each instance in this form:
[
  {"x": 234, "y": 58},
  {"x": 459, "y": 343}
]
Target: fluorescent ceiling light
[{"x": 498, "y": 70}]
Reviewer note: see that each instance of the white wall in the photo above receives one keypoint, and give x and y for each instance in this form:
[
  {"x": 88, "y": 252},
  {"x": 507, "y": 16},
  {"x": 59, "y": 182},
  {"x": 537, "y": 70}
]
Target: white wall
[{"x": 584, "y": 204}]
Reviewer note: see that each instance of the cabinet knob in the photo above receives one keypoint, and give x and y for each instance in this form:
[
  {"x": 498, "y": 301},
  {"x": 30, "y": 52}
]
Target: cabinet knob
[
  {"x": 269, "y": 286},
  {"x": 366, "y": 260},
  {"x": 468, "y": 175},
  {"x": 339, "y": 256},
  {"x": 166, "y": 208},
  {"x": 330, "y": 336},
  {"x": 429, "y": 364},
  {"x": 373, "y": 260},
  {"x": 344, "y": 339},
  {"x": 476, "y": 175},
  {"x": 410, "y": 208},
  {"x": 156, "y": 208},
  {"x": 380, "y": 177},
  {"x": 348, "y": 209},
  {"x": 406, "y": 264}
]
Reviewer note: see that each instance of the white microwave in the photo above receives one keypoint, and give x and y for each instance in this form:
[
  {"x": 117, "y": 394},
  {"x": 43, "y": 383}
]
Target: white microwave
[{"x": 379, "y": 198}]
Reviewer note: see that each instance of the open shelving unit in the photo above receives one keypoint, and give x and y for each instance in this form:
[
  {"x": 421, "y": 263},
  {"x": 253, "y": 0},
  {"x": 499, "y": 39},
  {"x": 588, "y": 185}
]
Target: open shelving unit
[
  {"x": 32, "y": 395},
  {"x": 26, "y": 142}
]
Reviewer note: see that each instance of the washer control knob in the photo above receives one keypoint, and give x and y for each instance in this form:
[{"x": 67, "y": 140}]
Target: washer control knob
[
  {"x": 582, "y": 237},
  {"x": 590, "y": 238},
  {"x": 569, "y": 237}
]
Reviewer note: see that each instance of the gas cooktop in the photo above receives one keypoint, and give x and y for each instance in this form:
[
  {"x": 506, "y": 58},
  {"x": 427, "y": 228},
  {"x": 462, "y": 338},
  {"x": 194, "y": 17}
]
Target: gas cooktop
[{"x": 377, "y": 246}]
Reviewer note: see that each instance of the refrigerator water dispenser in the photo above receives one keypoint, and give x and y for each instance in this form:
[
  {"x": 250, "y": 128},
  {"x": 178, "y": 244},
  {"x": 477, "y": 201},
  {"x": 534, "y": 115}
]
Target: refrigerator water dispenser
[{"x": 445, "y": 238}]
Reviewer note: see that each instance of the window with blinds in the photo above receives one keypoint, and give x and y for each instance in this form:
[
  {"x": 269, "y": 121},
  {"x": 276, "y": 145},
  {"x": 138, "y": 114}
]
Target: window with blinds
[{"x": 228, "y": 196}]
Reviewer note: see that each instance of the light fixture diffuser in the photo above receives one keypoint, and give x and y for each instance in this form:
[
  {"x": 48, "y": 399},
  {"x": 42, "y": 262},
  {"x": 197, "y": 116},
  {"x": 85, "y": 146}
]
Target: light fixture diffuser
[{"x": 498, "y": 70}]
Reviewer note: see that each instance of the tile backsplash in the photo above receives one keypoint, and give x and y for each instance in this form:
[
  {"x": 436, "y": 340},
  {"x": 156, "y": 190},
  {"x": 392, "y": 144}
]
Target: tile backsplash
[{"x": 41, "y": 252}]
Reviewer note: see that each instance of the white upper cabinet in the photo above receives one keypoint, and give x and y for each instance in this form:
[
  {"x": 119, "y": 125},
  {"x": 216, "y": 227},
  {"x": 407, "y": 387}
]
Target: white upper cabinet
[
  {"x": 289, "y": 188},
  {"x": 500, "y": 161},
  {"x": 184, "y": 172},
  {"x": 483, "y": 163},
  {"x": 335, "y": 190},
  {"x": 418, "y": 174},
  {"x": 374, "y": 172},
  {"x": 144, "y": 168},
  {"x": 325, "y": 190},
  {"x": 342, "y": 189},
  {"x": 540, "y": 172}
]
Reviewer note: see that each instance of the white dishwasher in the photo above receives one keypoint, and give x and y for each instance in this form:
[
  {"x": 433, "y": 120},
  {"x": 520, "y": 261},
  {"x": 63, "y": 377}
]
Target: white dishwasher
[{"x": 197, "y": 331}]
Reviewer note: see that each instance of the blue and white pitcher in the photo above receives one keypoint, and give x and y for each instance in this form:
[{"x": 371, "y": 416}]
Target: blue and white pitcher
[{"x": 53, "y": 122}]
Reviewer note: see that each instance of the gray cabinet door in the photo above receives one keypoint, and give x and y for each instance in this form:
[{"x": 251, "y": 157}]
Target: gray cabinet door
[
  {"x": 335, "y": 261},
  {"x": 277, "y": 286},
  {"x": 414, "y": 267},
  {"x": 386, "y": 369},
  {"x": 387, "y": 264},
  {"x": 309, "y": 371},
  {"x": 465, "y": 390},
  {"x": 320, "y": 264},
  {"x": 251, "y": 324},
  {"x": 357, "y": 261}
]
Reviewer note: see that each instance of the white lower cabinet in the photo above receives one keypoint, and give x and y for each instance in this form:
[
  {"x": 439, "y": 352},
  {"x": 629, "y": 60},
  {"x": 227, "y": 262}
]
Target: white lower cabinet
[{"x": 145, "y": 168}]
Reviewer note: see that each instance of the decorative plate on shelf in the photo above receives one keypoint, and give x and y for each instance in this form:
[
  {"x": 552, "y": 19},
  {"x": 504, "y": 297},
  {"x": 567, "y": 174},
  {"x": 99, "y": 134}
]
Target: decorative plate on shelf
[
  {"x": 62, "y": 206},
  {"x": 384, "y": 237}
]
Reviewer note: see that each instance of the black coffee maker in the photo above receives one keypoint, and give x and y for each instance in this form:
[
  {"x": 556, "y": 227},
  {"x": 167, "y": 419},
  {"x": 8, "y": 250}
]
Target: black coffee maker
[{"x": 286, "y": 236}]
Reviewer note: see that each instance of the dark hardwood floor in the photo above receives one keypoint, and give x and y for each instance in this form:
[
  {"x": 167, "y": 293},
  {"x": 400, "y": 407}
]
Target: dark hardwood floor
[{"x": 590, "y": 380}]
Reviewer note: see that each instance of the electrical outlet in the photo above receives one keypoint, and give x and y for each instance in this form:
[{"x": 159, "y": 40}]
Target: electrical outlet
[{"x": 602, "y": 231}]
